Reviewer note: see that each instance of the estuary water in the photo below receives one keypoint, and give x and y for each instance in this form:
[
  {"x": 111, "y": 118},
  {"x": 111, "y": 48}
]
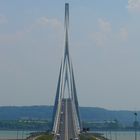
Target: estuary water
[
  {"x": 14, "y": 134},
  {"x": 120, "y": 135}
]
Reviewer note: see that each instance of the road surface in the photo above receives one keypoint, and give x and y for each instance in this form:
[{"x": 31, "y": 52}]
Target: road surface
[{"x": 66, "y": 130}]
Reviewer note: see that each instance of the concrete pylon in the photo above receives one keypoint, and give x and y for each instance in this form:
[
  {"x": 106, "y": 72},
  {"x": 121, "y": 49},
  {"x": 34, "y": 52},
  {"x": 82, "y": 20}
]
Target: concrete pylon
[{"x": 66, "y": 80}]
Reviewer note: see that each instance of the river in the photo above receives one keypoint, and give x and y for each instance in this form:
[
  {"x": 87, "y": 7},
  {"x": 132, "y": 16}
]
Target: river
[
  {"x": 120, "y": 135},
  {"x": 14, "y": 134}
]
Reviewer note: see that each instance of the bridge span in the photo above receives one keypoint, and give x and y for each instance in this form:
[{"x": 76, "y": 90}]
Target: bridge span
[{"x": 66, "y": 130}]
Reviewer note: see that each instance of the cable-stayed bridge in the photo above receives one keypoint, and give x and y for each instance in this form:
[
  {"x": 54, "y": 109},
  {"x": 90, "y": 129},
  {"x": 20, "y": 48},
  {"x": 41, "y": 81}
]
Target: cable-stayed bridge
[{"x": 66, "y": 118}]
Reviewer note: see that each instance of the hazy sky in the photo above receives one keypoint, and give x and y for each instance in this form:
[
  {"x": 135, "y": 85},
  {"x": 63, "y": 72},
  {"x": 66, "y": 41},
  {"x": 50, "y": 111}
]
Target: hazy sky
[{"x": 104, "y": 45}]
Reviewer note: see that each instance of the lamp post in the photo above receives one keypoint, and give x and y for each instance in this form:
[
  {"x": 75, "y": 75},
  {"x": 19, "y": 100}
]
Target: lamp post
[
  {"x": 105, "y": 125},
  {"x": 17, "y": 134},
  {"x": 22, "y": 134},
  {"x": 135, "y": 124}
]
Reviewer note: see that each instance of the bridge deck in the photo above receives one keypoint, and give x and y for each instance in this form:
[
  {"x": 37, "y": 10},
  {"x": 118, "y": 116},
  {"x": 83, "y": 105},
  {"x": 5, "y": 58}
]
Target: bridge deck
[{"x": 66, "y": 127}]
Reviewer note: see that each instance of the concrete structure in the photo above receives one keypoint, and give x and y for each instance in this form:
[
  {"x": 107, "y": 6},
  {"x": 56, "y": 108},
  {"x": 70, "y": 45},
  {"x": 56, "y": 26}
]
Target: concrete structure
[{"x": 66, "y": 118}]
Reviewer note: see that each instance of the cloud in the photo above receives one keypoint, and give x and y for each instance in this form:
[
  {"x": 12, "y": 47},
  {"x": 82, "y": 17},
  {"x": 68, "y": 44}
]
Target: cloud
[
  {"x": 124, "y": 34},
  {"x": 44, "y": 22},
  {"x": 41, "y": 22},
  {"x": 3, "y": 19},
  {"x": 100, "y": 37},
  {"x": 106, "y": 36},
  {"x": 52, "y": 22},
  {"x": 9, "y": 39},
  {"x": 134, "y": 5},
  {"x": 104, "y": 25}
]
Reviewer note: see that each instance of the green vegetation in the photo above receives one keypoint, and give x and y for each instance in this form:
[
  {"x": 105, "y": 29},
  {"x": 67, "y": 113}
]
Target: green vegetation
[
  {"x": 45, "y": 137},
  {"x": 82, "y": 137},
  {"x": 91, "y": 136},
  {"x": 104, "y": 125},
  {"x": 86, "y": 137},
  {"x": 25, "y": 125}
]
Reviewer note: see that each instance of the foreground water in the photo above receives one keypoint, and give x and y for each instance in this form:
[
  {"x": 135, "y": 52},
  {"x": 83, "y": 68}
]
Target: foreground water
[
  {"x": 14, "y": 134},
  {"x": 120, "y": 135}
]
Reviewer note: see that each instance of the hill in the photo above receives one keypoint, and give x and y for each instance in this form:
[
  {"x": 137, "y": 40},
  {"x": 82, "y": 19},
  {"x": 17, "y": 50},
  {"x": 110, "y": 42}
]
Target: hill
[{"x": 45, "y": 112}]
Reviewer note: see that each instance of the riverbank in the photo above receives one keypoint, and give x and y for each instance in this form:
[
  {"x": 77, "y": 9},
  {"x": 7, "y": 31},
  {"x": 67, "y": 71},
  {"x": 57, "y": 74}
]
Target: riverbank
[
  {"x": 113, "y": 135},
  {"x": 91, "y": 136},
  {"x": 83, "y": 136}
]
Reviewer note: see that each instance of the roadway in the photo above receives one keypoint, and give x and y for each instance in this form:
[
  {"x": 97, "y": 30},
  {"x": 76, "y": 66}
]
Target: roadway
[{"x": 66, "y": 130}]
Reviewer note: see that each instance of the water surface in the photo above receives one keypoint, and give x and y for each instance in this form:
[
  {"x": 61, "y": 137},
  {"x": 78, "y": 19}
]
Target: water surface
[
  {"x": 121, "y": 135},
  {"x": 14, "y": 134}
]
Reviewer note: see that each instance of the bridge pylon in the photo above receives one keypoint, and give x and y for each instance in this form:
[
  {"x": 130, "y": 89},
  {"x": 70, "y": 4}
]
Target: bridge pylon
[{"x": 66, "y": 101}]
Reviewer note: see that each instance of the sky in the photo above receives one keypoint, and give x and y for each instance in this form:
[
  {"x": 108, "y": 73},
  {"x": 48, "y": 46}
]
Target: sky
[{"x": 104, "y": 46}]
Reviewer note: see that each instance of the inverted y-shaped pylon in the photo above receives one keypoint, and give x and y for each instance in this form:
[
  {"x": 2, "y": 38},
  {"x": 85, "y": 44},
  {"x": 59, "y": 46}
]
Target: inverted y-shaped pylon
[{"x": 66, "y": 81}]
